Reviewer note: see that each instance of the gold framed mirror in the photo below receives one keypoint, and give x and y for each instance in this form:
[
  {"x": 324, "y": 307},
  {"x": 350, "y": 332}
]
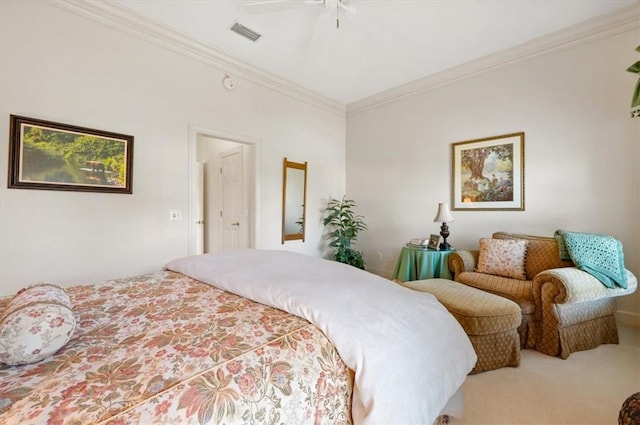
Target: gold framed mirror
[{"x": 294, "y": 200}]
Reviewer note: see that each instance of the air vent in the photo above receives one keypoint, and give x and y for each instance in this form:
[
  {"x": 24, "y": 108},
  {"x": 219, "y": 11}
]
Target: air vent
[{"x": 245, "y": 32}]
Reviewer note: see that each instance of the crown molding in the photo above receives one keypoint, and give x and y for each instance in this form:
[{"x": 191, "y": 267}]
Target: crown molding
[
  {"x": 623, "y": 20},
  {"x": 122, "y": 19}
]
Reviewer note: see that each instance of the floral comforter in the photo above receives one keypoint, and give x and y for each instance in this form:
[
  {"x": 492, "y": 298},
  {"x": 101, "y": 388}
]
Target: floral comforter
[{"x": 163, "y": 348}]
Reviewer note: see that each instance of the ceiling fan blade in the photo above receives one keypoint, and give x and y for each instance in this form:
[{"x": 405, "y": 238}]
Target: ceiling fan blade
[
  {"x": 314, "y": 42},
  {"x": 259, "y": 3},
  {"x": 348, "y": 9}
]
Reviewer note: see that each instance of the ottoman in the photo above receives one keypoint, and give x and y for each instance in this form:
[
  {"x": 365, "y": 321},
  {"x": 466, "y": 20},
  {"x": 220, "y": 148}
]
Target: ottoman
[{"x": 490, "y": 321}]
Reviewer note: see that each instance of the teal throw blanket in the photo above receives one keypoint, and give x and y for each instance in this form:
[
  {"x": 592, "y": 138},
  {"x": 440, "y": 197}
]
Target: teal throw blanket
[{"x": 598, "y": 255}]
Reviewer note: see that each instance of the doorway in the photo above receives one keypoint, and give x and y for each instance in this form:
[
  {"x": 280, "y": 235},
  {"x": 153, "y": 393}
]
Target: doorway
[{"x": 223, "y": 191}]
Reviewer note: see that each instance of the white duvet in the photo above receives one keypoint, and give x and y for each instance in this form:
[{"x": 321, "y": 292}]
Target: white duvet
[{"x": 408, "y": 353}]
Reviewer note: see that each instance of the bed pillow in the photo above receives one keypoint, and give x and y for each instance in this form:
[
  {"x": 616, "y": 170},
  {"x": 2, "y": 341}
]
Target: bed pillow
[
  {"x": 503, "y": 257},
  {"x": 36, "y": 323}
]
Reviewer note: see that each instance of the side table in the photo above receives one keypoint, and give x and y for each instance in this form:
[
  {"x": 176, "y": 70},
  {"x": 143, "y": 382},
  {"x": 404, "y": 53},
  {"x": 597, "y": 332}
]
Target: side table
[{"x": 419, "y": 263}]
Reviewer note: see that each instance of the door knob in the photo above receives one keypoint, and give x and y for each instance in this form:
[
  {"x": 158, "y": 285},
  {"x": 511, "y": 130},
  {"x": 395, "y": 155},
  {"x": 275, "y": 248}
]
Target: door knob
[
  {"x": 200, "y": 222},
  {"x": 237, "y": 223}
]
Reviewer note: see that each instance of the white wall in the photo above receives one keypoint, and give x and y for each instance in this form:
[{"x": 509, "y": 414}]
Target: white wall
[
  {"x": 582, "y": 153},
  {"x": 582, "y": 149},
  {"x": 58, "y": 66}
]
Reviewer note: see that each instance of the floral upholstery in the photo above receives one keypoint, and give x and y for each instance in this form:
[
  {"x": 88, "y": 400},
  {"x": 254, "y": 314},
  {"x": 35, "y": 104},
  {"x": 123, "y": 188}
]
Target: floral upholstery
[
  {"x": 166, "y": 349},
  {"x": 502, "y": 257},
  {"x": 563, "y": 309},
  {"x": 36, "y": 323},
  {"x": 542, "y": 253}
]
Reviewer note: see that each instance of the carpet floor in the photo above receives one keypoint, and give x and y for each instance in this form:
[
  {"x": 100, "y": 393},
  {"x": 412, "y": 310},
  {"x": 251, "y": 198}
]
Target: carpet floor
[{"x": 588, "y": 388}]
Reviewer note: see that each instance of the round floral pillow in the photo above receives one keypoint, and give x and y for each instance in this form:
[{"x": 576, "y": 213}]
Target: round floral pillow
[{"x": 37, "y": 322}]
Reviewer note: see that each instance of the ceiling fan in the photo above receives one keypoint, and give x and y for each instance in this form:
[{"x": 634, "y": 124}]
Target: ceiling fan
[{"x": 338, "y": 5}]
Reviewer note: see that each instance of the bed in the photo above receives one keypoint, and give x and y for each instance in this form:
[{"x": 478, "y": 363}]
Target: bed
[{"x": 241, "y": 337}]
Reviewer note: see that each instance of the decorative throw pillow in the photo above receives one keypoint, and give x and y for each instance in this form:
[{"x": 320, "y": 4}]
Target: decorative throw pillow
[
  {"x": 503, "y": 257},
  {"x": 37, "y": 322}
]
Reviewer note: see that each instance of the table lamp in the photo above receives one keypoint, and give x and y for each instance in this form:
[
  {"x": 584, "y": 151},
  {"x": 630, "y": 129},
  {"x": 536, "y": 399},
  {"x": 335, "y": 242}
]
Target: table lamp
[{"x": 443, "y": 215}]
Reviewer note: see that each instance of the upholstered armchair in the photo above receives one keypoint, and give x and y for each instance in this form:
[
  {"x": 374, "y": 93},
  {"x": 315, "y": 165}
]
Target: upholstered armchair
[
  {"x": 576, "y": 311},
  {"x": 563, "y": 308}
]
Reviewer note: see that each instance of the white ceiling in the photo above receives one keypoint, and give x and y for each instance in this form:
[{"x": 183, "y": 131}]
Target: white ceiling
[{"x": 385, "y": 44}]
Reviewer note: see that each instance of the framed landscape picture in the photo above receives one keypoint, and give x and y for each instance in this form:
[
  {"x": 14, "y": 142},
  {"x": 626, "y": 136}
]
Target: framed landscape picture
[
  {"x": 488, "y": 174},
  {"x": 53, "y": 156}
]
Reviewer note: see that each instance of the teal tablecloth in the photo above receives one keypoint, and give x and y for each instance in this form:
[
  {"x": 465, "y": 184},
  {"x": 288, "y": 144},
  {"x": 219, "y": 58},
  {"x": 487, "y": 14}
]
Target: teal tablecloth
[{"x": 418, "y": 264}]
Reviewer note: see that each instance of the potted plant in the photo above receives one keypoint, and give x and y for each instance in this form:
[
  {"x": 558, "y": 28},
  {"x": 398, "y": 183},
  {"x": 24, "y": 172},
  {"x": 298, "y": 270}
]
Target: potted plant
[
  {"x": 344, "y": 225},
  {"x": 635, "y": 100}
]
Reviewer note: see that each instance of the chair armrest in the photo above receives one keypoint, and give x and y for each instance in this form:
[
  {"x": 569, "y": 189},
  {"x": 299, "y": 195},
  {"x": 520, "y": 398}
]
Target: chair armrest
[
  {"x": 463, "y": 261},
  {"x": 574, "y": 285}
]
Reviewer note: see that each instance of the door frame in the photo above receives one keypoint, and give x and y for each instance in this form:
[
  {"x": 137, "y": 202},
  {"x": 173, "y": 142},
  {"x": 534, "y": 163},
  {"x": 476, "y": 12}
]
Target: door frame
[{"x": 254, "y": 149}]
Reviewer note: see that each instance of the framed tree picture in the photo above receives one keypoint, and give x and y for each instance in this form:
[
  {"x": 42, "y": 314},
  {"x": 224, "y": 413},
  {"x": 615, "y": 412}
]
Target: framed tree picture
[
  {"x": 488, "y": 174},
  {"x": 54, "y": 156}
]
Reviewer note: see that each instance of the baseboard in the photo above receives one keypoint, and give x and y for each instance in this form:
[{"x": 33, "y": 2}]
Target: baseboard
[{"x": 628, "y": 318}]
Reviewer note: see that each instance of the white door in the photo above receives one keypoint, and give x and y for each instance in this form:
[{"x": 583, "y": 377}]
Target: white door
[
  {"x": 233, "y": 220},
  {"x": 199, "y": 207}
]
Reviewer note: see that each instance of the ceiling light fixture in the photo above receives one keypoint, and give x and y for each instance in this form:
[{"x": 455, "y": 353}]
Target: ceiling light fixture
[{"x": 338, "y": 4}]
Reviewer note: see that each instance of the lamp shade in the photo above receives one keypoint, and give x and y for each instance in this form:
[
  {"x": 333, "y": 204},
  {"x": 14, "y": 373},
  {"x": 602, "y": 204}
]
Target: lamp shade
[{"x": 443, "y": 214}]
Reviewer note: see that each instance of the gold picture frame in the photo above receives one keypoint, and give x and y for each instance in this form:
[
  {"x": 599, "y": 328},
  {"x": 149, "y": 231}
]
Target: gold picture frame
[{"x": 488, "y": 174}]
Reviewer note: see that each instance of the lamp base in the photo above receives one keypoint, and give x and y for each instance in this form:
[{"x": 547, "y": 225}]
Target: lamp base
[
  {"x": 444, "y": 232},
  {"x": 444, "y": 246}
]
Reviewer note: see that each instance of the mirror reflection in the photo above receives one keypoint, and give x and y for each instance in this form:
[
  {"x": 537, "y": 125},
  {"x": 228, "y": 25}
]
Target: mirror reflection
[{"x": 294, "y": 196}]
